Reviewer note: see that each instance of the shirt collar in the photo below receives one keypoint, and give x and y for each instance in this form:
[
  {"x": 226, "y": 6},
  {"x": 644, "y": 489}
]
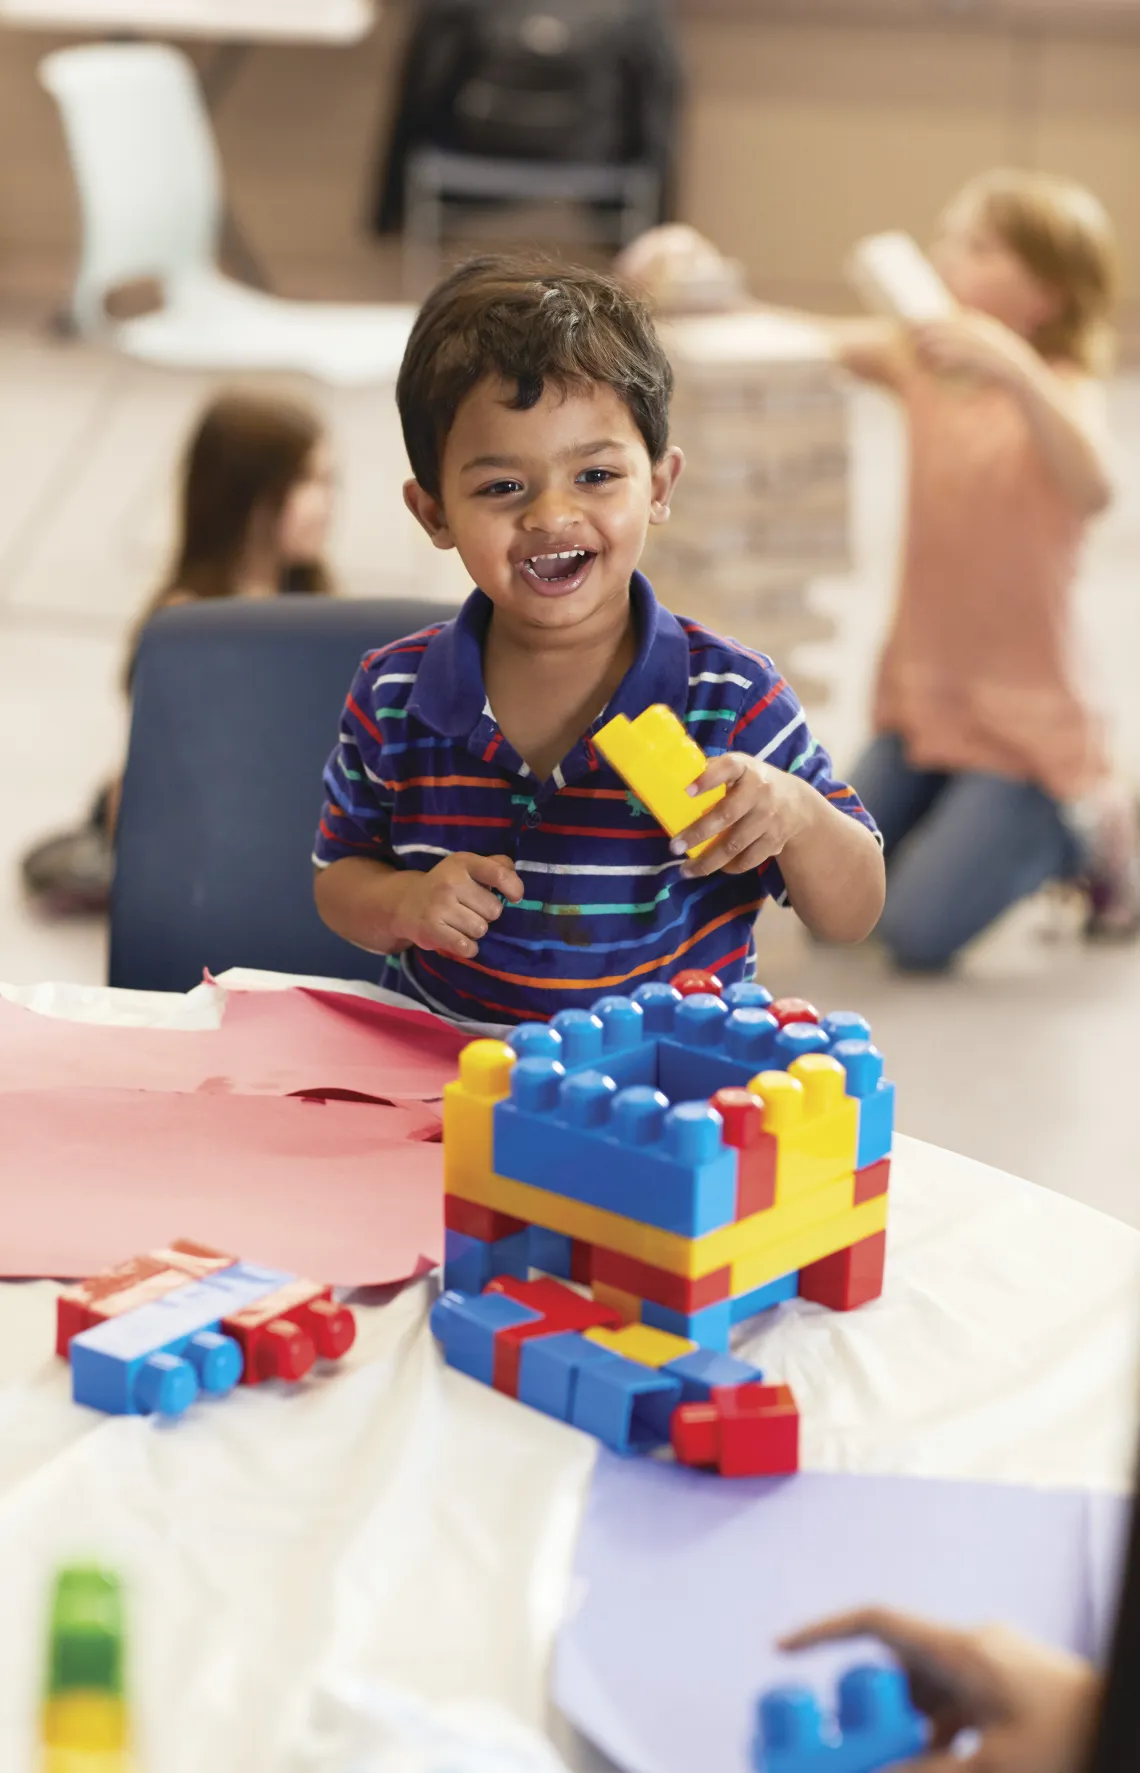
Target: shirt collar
[{"x": 449, "y": 694}]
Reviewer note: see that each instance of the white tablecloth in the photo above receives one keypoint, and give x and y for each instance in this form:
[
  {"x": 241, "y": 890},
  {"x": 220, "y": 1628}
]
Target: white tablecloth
[
  {"x": 300, "y": 21},
  {"x": 397, "y": 1519}
]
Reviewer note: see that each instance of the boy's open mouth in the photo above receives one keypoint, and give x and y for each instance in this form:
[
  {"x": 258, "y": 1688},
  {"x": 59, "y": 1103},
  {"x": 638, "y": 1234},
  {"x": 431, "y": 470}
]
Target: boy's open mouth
[{"x": 557, "y": 574}]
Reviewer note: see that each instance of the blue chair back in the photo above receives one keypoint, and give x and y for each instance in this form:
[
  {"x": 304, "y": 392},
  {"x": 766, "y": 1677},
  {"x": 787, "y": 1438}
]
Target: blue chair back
[{"x": 236, "y": 708}]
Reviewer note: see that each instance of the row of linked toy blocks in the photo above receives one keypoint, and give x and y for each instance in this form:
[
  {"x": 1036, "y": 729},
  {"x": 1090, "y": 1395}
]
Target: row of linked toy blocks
[
  {"x": 875, "y": 1726},
  {"x": 635, "y": 1388},
  {"x": 149, "y": 1335}
]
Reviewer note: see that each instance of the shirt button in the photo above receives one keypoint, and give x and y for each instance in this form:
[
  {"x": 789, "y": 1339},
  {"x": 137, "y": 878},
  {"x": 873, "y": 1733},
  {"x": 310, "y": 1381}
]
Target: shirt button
[{"x": 533, "y": 818}]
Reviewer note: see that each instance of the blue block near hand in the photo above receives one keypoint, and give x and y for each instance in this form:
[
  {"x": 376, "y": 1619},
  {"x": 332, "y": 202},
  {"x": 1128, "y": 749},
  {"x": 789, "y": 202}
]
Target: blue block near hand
[
  {"x": 624, "y": 1404},
  {"x": 876, "y": 1726},
  {"x": 466, "y": 1328}
]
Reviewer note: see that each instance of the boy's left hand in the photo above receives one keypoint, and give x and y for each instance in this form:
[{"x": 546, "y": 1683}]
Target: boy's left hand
[{"x": 763, "y": 810}]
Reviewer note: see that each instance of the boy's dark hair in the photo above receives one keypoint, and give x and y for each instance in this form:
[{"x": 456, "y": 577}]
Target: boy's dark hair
[{"x": 529, "y": 322}]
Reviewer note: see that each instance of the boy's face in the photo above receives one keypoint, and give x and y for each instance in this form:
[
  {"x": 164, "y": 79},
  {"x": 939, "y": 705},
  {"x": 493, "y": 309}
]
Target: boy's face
[{"x": 549, "y": 509}]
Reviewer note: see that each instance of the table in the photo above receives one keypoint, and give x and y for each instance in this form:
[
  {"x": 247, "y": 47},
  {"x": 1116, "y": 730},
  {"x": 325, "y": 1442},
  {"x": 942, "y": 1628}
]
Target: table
[
  {"x": 279, "y": 21},
  {"x": 399, "y": 1519}
]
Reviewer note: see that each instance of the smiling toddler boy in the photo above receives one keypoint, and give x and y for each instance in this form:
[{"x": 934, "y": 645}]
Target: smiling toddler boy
[{"x": 472, "y": 833}]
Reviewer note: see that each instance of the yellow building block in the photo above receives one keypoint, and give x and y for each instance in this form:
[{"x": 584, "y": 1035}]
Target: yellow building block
[
  {"x": 810, "y": 1244},
  {"x": 468, "y": 1114},
  {"x": 641, "y": 1343},
  {"x": 691, "y": 1257},
  {"x": 627, "y": 1305},
  {"x": 656, "y": 757},
  {"x": 814, "y": 1121}
]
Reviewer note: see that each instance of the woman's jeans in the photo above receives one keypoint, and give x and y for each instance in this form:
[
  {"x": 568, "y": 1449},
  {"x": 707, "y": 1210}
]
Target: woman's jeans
[{"x": 960, "y": 850}]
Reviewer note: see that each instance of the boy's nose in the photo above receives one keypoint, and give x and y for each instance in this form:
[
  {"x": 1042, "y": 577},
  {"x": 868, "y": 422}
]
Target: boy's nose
[{"x": 551, "y": 512}]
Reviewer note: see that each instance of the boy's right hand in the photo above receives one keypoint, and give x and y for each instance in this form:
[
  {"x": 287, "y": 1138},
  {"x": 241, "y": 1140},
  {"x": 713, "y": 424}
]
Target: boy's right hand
[{"x": 448, "y": 909}]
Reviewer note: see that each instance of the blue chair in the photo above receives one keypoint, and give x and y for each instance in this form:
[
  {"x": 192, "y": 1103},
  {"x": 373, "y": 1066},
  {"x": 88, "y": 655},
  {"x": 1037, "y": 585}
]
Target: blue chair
[{"x": 236, "y": 708}]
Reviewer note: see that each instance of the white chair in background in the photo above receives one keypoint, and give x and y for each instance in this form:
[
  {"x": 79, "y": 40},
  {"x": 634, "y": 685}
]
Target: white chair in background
[{"x": 150, "y": 190}]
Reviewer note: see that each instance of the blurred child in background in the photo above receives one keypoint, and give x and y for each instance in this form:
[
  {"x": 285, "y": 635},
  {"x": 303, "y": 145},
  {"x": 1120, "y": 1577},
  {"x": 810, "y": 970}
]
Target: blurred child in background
[
  {"x": 989, "y": 773},
  {"x": 255, "y": 506}
]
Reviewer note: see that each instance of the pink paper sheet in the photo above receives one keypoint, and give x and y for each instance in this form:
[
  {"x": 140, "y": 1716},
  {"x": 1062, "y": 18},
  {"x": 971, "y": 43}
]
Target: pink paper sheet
[
  {"x": 270, "y": 1042},
  {"x": 346, "y": 1192}
]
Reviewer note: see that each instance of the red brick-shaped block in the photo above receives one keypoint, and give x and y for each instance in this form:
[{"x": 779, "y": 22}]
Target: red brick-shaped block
[
  {"x": 693, "y": 981},
  {"x": 138, "y": 1281},
  {"x": 850, "y": 1278},
  {"x": 475, "y": 1221},
  {"x": 562, "y": 1309},
  {"x": 581, "y": 1262},
  {"x": 793, "y": 1009},
  {"x": 873, "y": 1181},
  {"x": 743, "y": 1116},
  {"x": 282, "y": 1335},
  {"x": 674, "y": 1291},
  {"x": 743, "y": 1431}
]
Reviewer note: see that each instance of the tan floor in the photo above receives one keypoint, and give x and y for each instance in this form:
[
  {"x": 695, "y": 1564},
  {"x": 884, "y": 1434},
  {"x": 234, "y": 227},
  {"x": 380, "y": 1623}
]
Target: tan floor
[{"x": 1019, "y": 1061}]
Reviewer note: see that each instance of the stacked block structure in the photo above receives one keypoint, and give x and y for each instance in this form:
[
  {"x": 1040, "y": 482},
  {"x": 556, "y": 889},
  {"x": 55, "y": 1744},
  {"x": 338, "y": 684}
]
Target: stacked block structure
[
  {"x": 148, "y": 1336},
  {"x": 673, "y": 1162}
]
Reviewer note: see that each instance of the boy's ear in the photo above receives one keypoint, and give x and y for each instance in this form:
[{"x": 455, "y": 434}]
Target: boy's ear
[
  {"x": 428, "y": 513},
  {"x": 666, "y": 474}
]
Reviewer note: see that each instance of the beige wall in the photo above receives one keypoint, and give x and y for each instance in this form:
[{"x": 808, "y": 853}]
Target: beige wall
[{"x": 798, "y": 137}]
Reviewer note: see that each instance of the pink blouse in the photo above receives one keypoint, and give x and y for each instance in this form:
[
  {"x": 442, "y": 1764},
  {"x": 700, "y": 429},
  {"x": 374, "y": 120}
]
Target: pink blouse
[{"x": 981, "y": 670}]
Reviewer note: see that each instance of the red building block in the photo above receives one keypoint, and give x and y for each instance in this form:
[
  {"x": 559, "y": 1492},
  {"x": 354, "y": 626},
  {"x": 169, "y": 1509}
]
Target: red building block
[
  {"x": 674, "y": 1291},
  {"x": 481, "y": 1222},
  {"x": 874, "y": 1180},
  {"x": 743, "y": 1431},
  {"x": 793, "y": 1009},
  {"x": 138, "y": 1281},
  {"x": 692, "y": 981},
  {"x": 581, "y": 1262},
  {"x": 743, "y": 1116},
  {"x": 848, "y": 1279},
  {"x": 282, "y": 1335},
  {"x": 562, "y": 1309}
]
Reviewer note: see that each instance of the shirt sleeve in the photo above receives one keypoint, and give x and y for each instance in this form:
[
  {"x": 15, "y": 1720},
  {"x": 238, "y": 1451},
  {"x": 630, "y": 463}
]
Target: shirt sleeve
[
  {"x": 357, "y": 811},
  {"x": 773, "y": 728}
]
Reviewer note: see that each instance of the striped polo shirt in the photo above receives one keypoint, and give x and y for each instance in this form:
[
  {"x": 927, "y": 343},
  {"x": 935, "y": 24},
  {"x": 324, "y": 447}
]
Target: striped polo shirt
[{"x": 422, "y": 769}]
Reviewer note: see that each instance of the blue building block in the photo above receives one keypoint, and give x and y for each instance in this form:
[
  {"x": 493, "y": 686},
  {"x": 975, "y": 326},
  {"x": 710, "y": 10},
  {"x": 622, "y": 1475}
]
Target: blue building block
[
  {"x": 704, "y": 1368},
  {"x": 794, "y": 1040},
  {"x": 615, "y": 1037},
  {"x": 626, "y": 1405},
  {"x": 549, "y": 1367},
  {"x": 624, "y": 1150},
  {"x": 746, "y": 994},
  {"x": 775, "y": 1292},
  {"x": 845, "y": 1025},
  {"x": 863, "y": 1064},
  {"x": 466, "y": 1328},
  {"x": 550, "y": 1252},
  {"x": 711, "y": 1326},
  {"x": 469, "y": 1263},
  {"x": 713, "y": 1046},
  {"x": 876, "y": 1727},
  {"x": 155, "y": 1360}
]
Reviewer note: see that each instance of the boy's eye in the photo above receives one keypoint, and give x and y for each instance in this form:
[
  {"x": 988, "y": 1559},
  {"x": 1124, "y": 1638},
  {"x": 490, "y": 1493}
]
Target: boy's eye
[
  {"x": 596, "y": 476},
  {"x": 499, "y": 489}
]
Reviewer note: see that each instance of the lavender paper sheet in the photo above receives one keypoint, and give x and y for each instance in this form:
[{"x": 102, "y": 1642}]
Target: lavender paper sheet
[{"x": 684, "y": 1582}]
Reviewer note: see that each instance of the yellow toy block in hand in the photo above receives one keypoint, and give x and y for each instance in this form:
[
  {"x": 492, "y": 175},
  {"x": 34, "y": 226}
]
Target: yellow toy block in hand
[
  {"x": 656, "y": 758},
  {"x": 642, "y": 1343},
  {"x": 814, "y": 1121}
]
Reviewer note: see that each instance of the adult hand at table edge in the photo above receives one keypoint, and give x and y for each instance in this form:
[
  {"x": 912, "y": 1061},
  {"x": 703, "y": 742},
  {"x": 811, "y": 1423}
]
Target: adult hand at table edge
[{"x": 1034, "y": 1708}]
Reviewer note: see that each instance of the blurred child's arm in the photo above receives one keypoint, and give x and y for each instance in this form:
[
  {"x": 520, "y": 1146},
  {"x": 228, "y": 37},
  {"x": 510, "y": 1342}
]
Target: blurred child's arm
[
  {"x": 786, "y": 816},
  {"x": 874, "y": 349},
  {"x": 1065, "y": 409}
]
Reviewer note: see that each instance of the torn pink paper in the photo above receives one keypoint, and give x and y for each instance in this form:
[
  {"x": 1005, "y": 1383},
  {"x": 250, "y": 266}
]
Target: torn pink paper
[
  {"x": 269, "y": 1043},
  {"x": 346, "y": 1192}
]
